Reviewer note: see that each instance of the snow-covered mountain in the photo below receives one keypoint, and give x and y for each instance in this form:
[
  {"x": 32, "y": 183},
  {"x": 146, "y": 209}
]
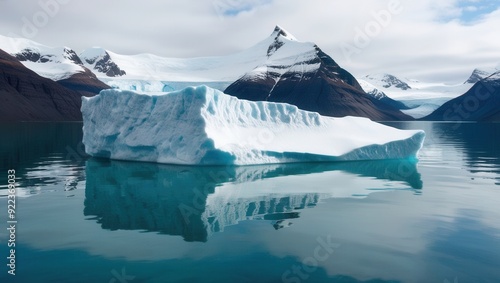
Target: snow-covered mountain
[
  {"x": 481, "y": 73},
  {"x": 55, "y": 63},
  {"x": 387, "y": 81},
  {"x": 99, "y": 60},
  {"x": 300, "y": 73}
]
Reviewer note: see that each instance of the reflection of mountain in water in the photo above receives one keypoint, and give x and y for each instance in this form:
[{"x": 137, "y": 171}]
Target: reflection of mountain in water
[
  {"x": 195, "y": 202},
  {"x": 30, "y": 143},
  {"x": 43, "y": 154},
  {"x": 478, "y": 141}
]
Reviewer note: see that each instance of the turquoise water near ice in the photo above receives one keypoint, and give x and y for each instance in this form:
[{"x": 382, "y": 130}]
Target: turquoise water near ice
[{"x": 82, "y": 219}]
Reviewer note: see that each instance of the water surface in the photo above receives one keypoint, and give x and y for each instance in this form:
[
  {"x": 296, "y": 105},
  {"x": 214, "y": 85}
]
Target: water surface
[{"x": 82, "y": 219}]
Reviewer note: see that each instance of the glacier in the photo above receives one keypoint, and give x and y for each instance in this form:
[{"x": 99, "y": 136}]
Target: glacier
[{"x": 203, "y": 126}]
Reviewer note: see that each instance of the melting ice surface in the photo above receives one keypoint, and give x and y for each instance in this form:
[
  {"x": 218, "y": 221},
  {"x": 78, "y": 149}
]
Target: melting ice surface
[{"x": 201, "y": 125}]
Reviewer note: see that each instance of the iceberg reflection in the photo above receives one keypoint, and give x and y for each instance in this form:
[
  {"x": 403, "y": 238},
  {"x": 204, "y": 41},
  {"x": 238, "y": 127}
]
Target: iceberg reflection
[{"x": 194, "y": 202}]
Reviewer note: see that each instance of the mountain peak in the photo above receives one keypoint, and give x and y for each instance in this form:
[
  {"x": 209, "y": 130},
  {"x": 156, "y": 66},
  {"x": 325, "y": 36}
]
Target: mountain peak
[
  {"x": 279, "y": 31},
  {"x": 277, "y": 37},
  {"x": 478, "y": 74},
  {"x": 97, "y": 58}
]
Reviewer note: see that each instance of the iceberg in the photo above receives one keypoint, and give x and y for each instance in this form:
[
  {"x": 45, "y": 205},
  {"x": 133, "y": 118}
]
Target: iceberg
[{"x": 203, "y": 126}]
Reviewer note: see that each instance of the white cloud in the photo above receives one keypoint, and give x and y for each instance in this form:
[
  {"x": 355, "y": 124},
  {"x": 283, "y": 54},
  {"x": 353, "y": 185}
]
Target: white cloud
[{"x": 414, "y": 44}]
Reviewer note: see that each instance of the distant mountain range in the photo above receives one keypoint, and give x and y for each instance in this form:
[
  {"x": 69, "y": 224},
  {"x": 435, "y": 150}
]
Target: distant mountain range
[
  {"x": 280, "y": 68},
  {"x": 480, "y": 103},
  {"x": 429, "y": 101}
]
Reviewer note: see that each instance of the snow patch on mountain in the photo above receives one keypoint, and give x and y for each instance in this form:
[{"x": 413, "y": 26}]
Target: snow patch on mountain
[
  {"x": 493, "y": 77},
  {"x": 53, "y": 70},
  {"x": 372, "y": 90}
]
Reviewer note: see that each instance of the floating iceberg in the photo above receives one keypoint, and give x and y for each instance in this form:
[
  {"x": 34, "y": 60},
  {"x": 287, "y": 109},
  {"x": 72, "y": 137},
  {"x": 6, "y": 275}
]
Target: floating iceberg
[{"x": 203, "y": 126}]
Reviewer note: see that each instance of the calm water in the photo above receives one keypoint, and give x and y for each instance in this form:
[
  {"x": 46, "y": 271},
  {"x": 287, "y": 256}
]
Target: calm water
[{"x": 86, "y": 220}]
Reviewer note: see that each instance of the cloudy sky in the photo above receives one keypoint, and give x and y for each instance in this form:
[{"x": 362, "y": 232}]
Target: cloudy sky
[{"x": 428, "y": 40}]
